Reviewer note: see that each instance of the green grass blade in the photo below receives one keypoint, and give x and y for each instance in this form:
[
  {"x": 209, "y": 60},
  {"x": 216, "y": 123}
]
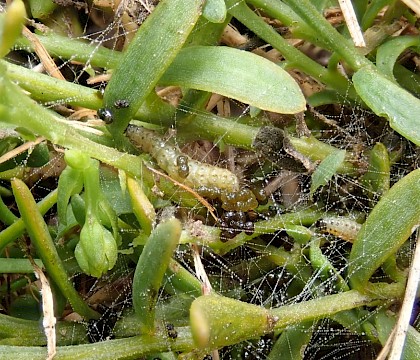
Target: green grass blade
[
  {"x": 326, "y": 169},
  {"x": 41, "y": 238},
  {"x": 388, "y": 53},
  {"x": 11, "y": 25},
  {"x": 150, "y": 269},
  {"x": 389, "y": 100},
  {"x": 377, "y": 177},
  {"x": 150, "y": 53},
  {"x": 388, "y": 226},
  {"x": 142, "y": 207},
  {"x": 15, "y": 230},
  {"x": 236, "y": 74}
]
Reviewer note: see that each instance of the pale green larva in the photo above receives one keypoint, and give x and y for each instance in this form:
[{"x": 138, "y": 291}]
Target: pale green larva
[
  {"x": 344, "y": 228},
  {"x": 180, "y": 166}
]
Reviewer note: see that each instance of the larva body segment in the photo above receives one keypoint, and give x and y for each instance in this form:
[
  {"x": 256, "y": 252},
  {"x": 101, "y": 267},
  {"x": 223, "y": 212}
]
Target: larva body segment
[
  {"x": 180, "y": 166},
  {"x": 341, "y": 227}
]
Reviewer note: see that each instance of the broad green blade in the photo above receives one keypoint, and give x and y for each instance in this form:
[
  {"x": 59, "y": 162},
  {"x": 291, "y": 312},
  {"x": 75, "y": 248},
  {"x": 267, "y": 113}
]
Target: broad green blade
[
  {"x": 388, "y": 226},
  {"x": 152, "y": 50},
  {"x": 236, "y": 74},
  {"x": 389, "y": 100}
]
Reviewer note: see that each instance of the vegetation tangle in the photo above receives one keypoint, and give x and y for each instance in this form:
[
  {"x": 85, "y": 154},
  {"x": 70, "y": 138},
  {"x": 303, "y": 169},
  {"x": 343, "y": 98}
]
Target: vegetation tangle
[{"x": 209, "y": 179}]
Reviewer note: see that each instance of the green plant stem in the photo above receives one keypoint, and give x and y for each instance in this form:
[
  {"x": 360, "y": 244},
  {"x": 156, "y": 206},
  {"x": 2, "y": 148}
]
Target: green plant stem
[
  {"x": 205, "y": 125},
  {"x": 217, "y": 311},
  {"x": 16, "y": 331},
  {"x": 178, "y": 279},
  {"x": 303, "y": 217},
  {"x": 52, "y": 91},
  {"x": 41, "y": 238},
  {"x": 74, "y": 49},
  {"x": 324, "y": 30},
  {"x": 15, "y": 230},
  {"x": 18, "y": 109},
  {"x": 130, "y": 348},
  {"x": 317, "y": 150},
  {"x": 295, "y": 58},
  {"x": 279, "y": 10},
  {"x": 210, "y": 235},
  {"x": 214, "y": 317},
  {"x": 323, "y": 266},
  {"x": 213, "y": 127},
  {"x": 319, "y": 308}
]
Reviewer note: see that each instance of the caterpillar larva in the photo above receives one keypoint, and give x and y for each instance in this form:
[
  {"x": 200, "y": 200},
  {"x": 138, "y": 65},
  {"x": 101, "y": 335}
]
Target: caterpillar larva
[
  {"x": 180, "y": 166},
  {"x": 342, "y": 227}
]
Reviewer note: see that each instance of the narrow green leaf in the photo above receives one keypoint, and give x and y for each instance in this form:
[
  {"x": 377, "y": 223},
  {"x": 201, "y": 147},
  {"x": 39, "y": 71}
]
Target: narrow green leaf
[
  {"x": 389, "y": 100},
  {"x": 377, "y": 178},
  {"x": 15, "y": 230},
  {"x": 11, "y": 25},
  {"x": 388, "y": 226},
  {"x": 326, "y": 169},
  {"x": 70, "y": 182},
  {"x": 236, "y": 74},
  {"x": 301, "y": 234},
  {"x": 41, "y": 238},
  {"x": 150, "y": 53},
  {"x": 387, "y": 54},
  {"x": 150, "y": 269},
  {"x": 142, "y": 207}
]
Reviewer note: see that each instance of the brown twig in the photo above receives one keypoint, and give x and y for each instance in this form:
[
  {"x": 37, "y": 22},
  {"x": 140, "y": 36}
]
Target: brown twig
[{"x": 352, "y": 24}]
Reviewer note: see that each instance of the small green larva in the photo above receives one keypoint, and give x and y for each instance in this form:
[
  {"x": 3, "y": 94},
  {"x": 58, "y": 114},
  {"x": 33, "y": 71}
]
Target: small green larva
[
  {"x": 180, "y": 166},
  {"x": 339, "y": 226}
]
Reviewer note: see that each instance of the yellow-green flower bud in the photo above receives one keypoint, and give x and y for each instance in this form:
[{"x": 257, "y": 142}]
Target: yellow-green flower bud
[{"x": 96, "y": 251}]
